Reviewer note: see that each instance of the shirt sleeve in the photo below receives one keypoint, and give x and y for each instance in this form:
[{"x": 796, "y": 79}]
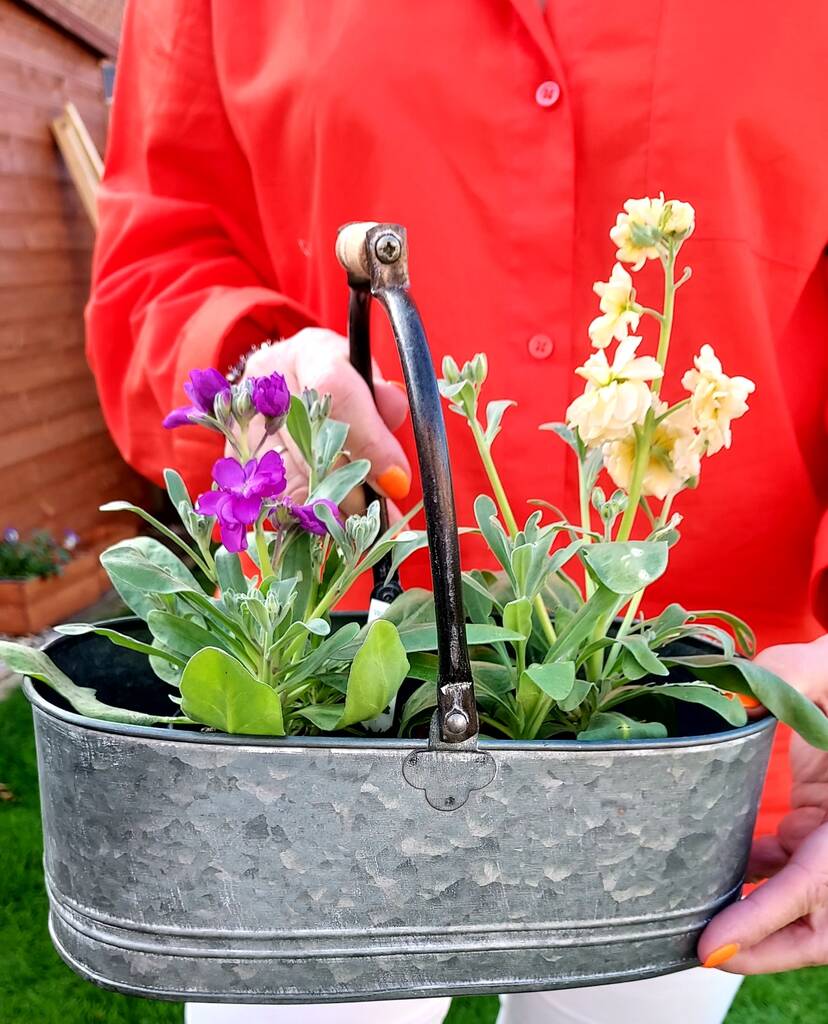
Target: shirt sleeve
[{"x": 181, "y": 274}]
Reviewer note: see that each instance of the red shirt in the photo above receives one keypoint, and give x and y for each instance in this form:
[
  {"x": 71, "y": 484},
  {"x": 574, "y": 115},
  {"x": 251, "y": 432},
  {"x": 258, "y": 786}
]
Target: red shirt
[{"x": 506, "y": 140}]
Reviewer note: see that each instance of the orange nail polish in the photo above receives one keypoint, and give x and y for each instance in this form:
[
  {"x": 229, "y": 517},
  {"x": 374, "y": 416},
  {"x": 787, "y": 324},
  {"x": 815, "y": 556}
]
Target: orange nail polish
[
  {"x": 750, "y": 703},
  {"x": 723, "y": 953},
  {"x": 395, "y": 482}
]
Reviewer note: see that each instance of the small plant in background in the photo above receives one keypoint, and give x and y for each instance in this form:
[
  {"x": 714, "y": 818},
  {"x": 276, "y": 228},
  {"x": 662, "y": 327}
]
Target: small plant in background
[
  {"x": 555, "y": 653},
  {"x": 38, "y": 557}
]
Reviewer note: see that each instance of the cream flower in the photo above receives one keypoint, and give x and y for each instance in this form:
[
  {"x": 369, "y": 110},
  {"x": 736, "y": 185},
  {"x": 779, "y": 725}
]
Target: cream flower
[
  {"x": 616, "y": 397},
  {"x": 716, "y": 399},
  {"x": 636, "y": 232},
  {"x": 680, "y": 218},
  {"x": 640, "y": 231},
  {"x": 675, "y": 456},
  {"x": 617, "y": 296}
]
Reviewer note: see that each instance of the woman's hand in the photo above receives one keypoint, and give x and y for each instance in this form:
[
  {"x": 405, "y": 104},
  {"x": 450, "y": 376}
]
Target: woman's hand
[
  {"x": 783, "y": 924},
  {"x": 318, "y": 358}
]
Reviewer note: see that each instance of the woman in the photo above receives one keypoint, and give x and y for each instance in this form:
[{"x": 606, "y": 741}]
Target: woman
[{"x": 504, "y": 134}]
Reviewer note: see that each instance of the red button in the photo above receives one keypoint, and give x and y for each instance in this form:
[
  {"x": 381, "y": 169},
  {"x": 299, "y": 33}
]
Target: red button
[
  {"x": 547, "y": 94},
  {"x": 540, "y": 346}
]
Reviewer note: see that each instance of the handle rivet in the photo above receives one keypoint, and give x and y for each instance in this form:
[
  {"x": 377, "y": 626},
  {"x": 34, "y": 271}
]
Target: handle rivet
[
  {"x": 456, "y": 723},
  {"x": 388, "y": 248}
]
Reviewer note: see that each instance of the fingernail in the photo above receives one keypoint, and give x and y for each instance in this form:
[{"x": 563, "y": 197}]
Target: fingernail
[
  {"x": 398, "y": 384},
  {"x": 395, "y": 482},
  {"x": 748, "y": 702},
  {"x": 723, "y": 953}
]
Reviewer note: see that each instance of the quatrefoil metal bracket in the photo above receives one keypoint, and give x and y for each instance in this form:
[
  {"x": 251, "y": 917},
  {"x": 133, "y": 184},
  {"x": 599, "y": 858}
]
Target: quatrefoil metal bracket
[{"x": 448, "y": 773}]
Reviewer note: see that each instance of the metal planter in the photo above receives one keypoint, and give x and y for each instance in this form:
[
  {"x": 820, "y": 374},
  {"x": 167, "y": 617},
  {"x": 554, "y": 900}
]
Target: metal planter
[
  {"x": 188, "y": 865},
  {"x": 209, "y": 867}
]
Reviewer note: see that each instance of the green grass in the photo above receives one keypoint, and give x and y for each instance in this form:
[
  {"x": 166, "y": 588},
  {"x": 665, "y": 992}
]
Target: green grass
[{"x": 36, "y": 987}]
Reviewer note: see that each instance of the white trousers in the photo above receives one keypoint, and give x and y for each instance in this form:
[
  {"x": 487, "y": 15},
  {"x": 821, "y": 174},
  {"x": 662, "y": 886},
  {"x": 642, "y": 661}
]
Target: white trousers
[{"x": 693, "y": 997}]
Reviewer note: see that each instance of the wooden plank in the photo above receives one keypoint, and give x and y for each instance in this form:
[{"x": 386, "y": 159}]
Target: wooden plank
[
  {"x": 48, "y": 235},
  {"x": 101, "y": 43},
  {"x": 38, "y": 439},
  {"x": 63, "y": 500},
  {"x": 42, "y": 332},
  {"x": 16, "y": 21},
  {"x": 66, "y": 461},
  {"x": 82, "y": 159},
  {"x": 25, "y": 269},
  {"x": 47, "y": 369},
  {"x": 17, "y": 305}
]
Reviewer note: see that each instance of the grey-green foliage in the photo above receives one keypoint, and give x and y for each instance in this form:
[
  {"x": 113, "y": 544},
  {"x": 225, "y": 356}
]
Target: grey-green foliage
[{"x": 254, "y": 655}]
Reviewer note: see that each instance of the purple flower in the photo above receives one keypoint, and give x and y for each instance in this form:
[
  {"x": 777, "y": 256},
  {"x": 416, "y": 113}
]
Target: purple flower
[
  {"x": 70, "y": 540},
  {"x": 201, "y": 389},
  {"x": 241, "y": 490},
  {"x": 10, "y": 535},
  {"x": 270, "y": 395},
  {"x": 305, "y": 517}
]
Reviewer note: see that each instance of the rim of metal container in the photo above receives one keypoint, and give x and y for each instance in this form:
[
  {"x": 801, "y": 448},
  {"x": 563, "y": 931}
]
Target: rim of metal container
[{"x": 184, "y": 735}]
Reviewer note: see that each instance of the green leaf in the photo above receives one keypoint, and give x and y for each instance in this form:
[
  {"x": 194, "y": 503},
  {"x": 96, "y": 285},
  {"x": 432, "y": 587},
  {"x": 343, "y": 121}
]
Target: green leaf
[
  {"x": 335, "y": 528},
  {"x": 730, "y": 708},
  {"x": 404, "y": 546},
  {"x": 580, "y": 691},
  {"x": 336, "y": 648},
  {"x": 218, "y": 691},
  {"x": 477, "y": 600},
  {"x": 610, "y": 725},
  {"x": 415, "y": 605},
  {"x": 567, "y": 435},
  {"x": 299, "y": 427},
  {"x": 625, "y": 567},
  {"x": 126, "y": 506},
  {"x": 296, "y": 564},
  {"x": 485, "y": 513},
  {"x": 31, "y": 662},
  {"x": 326, "y": 717},
  {"x": 177, "y": 489},
  {"x": 494, "y": 416},
  {"x": 739, "y": 675},
  {"x": 636, "y": 647},
  {"x": 745, "y": 636},
  {"x": 229, "y": 573},
  {"x": 330, "y": 441},
  {"x": 581, "y": 625},
  {"x": 517, "y": 617},
  {"x": 673, "y": 617},
  {"x": 181, "y": 635},
  {"x": 339, "y": 484},
  {"x": 556, "y": 679},
  {"x": 119, "y": 639},
  {"x": 142, "y": 567},
  {"x": 424, "y": 638},
  {"x": 422, "y": 699},
  {"x": 376, "y": 674}
]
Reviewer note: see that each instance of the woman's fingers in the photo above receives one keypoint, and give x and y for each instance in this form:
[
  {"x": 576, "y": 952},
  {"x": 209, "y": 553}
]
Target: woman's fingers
[
  {"x": 743, "y": 938},
  {"x": 800, "y": 944},
  {"x": 392, "y": 402},
  {"x": 324, "y": 368},
  {"x": 318, "y": 358}
]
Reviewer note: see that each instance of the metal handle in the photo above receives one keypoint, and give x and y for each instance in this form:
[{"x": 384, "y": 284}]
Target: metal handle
[{"x": 376, "y": 259}]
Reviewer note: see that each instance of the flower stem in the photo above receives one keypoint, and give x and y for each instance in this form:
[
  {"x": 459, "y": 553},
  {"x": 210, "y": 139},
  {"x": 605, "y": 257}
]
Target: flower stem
[
  {"x": 262, "y": 552},
  {"x": 644, "y": 436},
  {"x": 506, "y": 511},
  {"x": 667, "y": 315},
  {"x": 494, "y": 478},
  {"x": 640, "y": 463}
]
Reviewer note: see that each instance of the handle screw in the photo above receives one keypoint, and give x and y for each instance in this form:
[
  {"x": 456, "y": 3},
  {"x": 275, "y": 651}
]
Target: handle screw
[
  {"x": 388, "y": 248},
  {"x": 456, "y": 723}
]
